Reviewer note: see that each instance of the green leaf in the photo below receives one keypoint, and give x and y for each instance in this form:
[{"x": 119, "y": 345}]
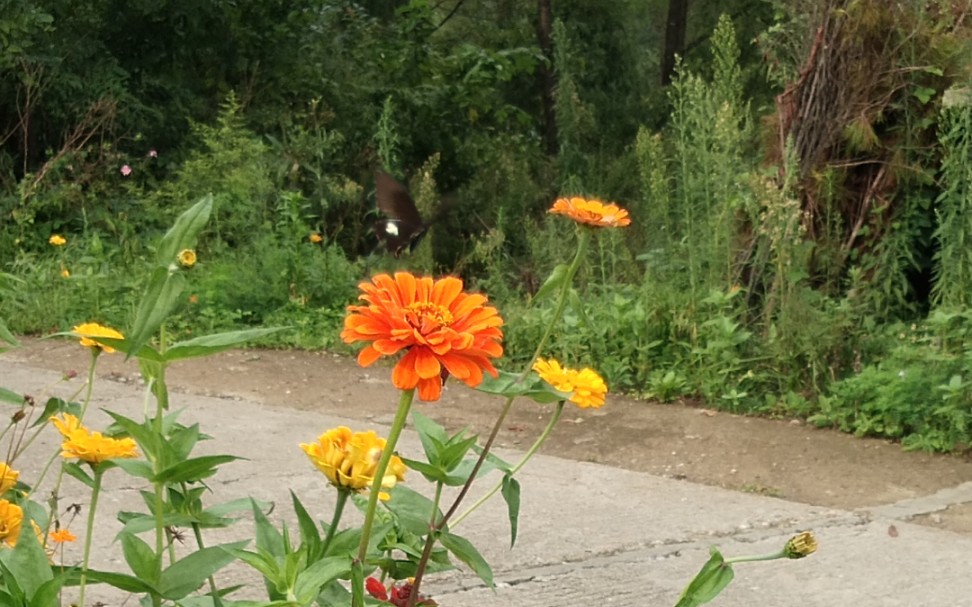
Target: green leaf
[
  {"x": 49, "y": 593},
  {"x": 7, "y": 337},
  {"x": 413, "y": 510},
  {"x": 195, "y": 469},
  {"x": 430, "y": 433},
  {"x": 267, "y": 536},
  {"x": 923, "y": 94},
  {"x": 511, "y": 493},
  {"x": 52, "y": 407},
  {"x": 128, "y": 583},
  {"x": 211, "y": 344},
  {"x": 27, "y": 562},
  {"x": 309, "y": 534},
  {"x": 159, "y": 299},
  {"x": 74, "y": 470},
  {"x": 140, "y": 557},
  {"x": 714, "y": 576},
  {"x": 317, "y": 575},
  {"x": 467, "y": 553},
  {"x": 188, "y": 573},
  {"x": 554, "y": 282},
  {"x": 509, "y": 385},
  {"x": 12, "y": 397},
  {"x": 138, "y": 468},
  {"x": 261, "y": 560},
  {"x": 185, "y": 231}
]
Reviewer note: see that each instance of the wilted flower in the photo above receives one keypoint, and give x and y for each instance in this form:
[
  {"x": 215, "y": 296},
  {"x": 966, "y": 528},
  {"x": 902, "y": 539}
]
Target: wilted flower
[
  {"x": 349, "y": 460},
  {"x": 442, "y": 330},
  {"x": 88, "y": 446},
  {"x": 57, "y": 240},
  {"x": 801, "y": 545},
  {"x": 125, "y": 170},
  {"x": 89, "y": 333},
  {"x": 11, "y": 518},
  {"x": 591, "y": 212},
  {"x": 8, "y": 477},
  {"x": 587, "y": 388},
  {"x": 316, "y": 238}
]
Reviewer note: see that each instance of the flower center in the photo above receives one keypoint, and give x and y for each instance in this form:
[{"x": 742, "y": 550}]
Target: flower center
[{"x": 427, "y": 316}]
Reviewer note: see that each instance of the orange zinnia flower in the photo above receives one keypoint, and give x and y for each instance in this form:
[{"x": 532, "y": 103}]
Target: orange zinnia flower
[
  {"x": 442, "y": 330},
  {"x": 591, "y": 212}
]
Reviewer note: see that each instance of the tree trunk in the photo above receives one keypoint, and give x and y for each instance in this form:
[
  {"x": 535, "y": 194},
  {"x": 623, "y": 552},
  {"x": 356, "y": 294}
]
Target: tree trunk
[
  {"x": 674, "y": 37},
  {"x": 545, "y": 75}
]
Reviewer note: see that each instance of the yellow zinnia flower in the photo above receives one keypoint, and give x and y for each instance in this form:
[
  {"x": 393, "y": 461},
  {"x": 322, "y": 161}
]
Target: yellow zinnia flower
[
  {"x": 187, "y": 258},
  {"x": 90, "y": 331},
  {"x": 90, "y": 446},
  {"x": 8, "y": 477},
  {"x": 57, "y": 240},
  {"x": 586, "y": 387},
  {"x": 591, "y": 212},
  {"x": 11, "y": 518},
  {"x": 349, "y": 460},
  {"x": 316, "y": 238},
  {"x": 65, "y": 273}
]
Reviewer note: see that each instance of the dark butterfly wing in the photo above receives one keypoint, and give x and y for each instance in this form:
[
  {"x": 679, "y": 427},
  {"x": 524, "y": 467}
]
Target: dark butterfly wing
[{"x": 404, "y": 226}]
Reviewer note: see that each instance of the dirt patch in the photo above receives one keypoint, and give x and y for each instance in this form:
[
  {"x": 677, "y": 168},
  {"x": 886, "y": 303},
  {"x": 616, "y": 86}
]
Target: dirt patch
[{"x": 786, "y": 459}]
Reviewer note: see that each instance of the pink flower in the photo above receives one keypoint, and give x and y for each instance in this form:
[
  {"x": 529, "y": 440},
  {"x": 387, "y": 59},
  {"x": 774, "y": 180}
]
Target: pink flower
[
  {"x": 153, "y": 153},
  {"x": 126, "y": 170}
]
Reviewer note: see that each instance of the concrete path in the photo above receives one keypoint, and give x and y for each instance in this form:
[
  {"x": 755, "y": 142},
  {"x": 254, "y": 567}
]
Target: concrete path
[{"x": 589, "y": 534}]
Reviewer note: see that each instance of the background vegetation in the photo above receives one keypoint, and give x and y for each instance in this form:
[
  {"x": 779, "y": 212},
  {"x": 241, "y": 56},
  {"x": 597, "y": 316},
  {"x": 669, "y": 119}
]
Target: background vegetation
[{"x": 799, "y": 173}]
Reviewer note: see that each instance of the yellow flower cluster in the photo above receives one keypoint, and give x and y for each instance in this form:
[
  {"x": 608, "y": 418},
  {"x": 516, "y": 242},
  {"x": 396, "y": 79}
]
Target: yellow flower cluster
[
  {"x": 90, "y": 446},
  {"x": 89, "y": 333},
  {"x": 316, "y": 238},
  {"x": 11, "y": 518},
  {"x": 8, "y": 477},
  {"x": 57, "y": 240},
  {"x": 349, "y": 460},
  {"x": 586, "y": 387}
]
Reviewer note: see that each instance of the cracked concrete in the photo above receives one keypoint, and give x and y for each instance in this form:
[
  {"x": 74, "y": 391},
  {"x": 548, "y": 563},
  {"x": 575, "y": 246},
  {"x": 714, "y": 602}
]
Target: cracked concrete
[{"x": 589, "y": 534}]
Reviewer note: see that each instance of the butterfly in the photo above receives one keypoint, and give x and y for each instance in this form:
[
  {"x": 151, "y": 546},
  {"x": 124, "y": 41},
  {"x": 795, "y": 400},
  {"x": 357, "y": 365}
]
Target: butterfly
[{"x": 403, "y": 227}]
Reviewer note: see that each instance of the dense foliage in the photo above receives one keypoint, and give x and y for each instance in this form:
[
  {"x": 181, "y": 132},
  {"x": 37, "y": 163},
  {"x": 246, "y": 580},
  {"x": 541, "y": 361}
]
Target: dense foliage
[{"x": 799, "y": 187}]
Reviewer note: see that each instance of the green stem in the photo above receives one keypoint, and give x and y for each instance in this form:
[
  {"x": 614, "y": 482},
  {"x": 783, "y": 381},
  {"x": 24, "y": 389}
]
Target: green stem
[
  {"x": 89, "y": 387},
  {"x": 404, "y": 404},
  {"x": 583, "y": 238},
  {"x": 217, "y": 601},
  {"x": 342, "y": 500},
  {"x": 526, "y": 457},
  {"x": 761, "y": 557},
  {"x": 157, "y": 427},
  {"x": 98, "y": 472}
]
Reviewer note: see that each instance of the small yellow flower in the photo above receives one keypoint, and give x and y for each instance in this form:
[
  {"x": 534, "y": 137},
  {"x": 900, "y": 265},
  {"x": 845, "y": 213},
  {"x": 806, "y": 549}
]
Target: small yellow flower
[
  {"x": 90, "y": 331},
  {"x": 88, "y": 446},
  {"x": 61, "y": 536},
  {"x": 316, "y": 238},
  {"x": 11, "y": 518},
  {"x": 57, "y": 240},
  {"x": 187, "y": 258},
  {"x": 587, "y": 388},
  {"x": 8, "y": 477},
  {"x": 801, "y": 545},
  {"x": 65, "y": 273},
  {"x": 349, "y": 460},
  {"x": 591, "y": 212}
]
